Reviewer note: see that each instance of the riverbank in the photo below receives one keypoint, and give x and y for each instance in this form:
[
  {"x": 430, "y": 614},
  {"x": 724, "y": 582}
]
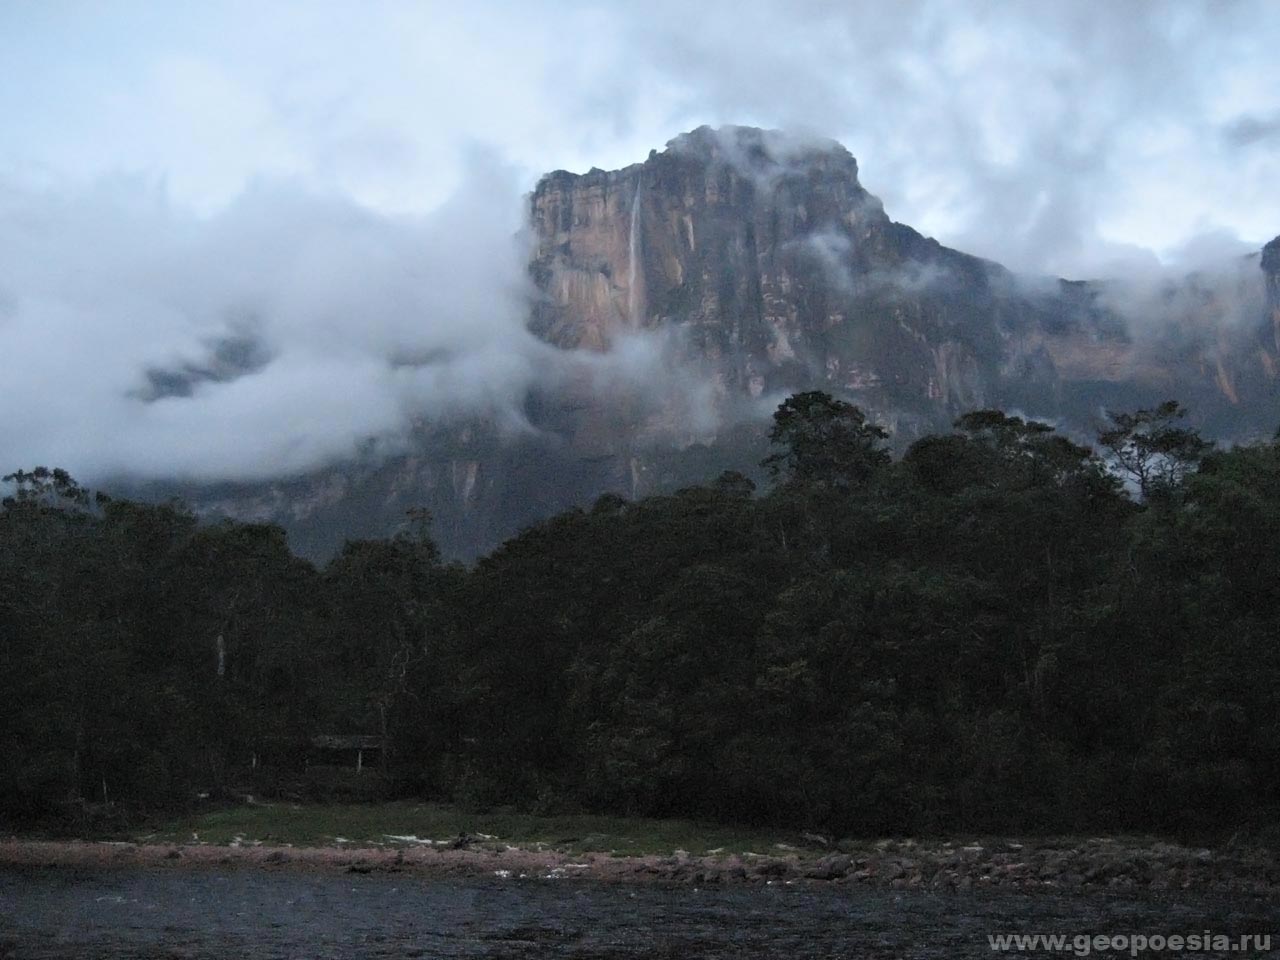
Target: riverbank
[{"x": 1123, "y": 864}]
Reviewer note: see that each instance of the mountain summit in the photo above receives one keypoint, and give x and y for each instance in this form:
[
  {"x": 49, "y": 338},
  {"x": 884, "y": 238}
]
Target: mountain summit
[{"x": 782, "y": 272}]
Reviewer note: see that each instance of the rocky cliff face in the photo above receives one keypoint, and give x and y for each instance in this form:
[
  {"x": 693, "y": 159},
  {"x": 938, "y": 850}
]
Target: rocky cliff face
[
  {"x": 1271, "y": 272},
  {"x": 774, "y": 264},
  {"x": 756, "y": 264},
  {"x": 781, "y": 272}
]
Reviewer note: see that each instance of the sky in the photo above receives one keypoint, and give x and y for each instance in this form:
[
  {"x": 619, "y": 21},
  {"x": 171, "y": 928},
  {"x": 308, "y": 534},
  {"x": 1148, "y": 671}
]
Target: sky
[{"x": 218, "y": 219}]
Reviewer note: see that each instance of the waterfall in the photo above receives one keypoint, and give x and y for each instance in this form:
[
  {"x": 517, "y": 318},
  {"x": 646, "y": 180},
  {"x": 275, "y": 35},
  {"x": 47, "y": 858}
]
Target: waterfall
[{"x": 635, "y": 275}]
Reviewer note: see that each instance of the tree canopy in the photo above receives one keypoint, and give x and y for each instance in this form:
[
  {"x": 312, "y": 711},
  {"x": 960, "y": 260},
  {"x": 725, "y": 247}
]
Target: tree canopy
[{"x": 1002, "y": 629}]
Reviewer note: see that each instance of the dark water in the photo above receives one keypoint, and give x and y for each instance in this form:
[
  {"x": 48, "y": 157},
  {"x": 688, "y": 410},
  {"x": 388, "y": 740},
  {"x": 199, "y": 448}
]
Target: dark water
[{"x": 123, "y": 913}]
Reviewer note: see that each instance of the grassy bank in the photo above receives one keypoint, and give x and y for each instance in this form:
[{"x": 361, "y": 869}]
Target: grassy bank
[{"x": 392, "y": 824}]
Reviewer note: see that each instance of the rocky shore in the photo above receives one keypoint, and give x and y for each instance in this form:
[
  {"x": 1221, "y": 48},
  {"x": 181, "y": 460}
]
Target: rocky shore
[{"x": 1025, "y": 865}]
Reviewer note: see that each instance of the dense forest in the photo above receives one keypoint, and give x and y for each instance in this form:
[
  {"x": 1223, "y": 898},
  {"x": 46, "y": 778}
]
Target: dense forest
[{"x": 999, "y": 630}]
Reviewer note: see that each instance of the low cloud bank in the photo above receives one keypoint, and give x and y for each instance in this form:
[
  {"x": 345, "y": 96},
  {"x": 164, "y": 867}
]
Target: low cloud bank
[{"x": 288, "y": 330}]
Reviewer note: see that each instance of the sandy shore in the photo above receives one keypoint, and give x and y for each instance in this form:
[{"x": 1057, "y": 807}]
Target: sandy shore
[{"x": 1093, "y": 864}]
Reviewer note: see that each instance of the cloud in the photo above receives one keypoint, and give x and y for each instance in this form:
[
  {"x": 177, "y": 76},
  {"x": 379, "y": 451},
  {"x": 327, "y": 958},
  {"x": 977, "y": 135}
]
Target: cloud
[
  {"x": 289, "y": 329},
  {"x": 831, "y": 251},
  {"x": 1053, "y": 138},
  {"x": 1250, "y": 130},
  {"x": 1210, "y": 296},
  {"x": 1059, "y": 138}
]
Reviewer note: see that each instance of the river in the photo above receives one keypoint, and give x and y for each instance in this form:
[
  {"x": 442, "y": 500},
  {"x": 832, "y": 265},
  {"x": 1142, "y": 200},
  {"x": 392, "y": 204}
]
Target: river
[{"x": 132, "y": 913}]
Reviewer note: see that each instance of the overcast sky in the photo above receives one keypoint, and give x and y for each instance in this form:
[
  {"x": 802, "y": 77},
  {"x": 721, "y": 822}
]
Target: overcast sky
[{"x": 175, "y": 176}]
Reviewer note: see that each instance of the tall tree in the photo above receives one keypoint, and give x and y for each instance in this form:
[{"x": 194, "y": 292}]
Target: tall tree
[
  {"x": 826, "y": 443},
  {"x": 1151, "y": 449}
]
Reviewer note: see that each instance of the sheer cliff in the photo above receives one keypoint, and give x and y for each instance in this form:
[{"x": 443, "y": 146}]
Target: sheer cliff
[{"x": 780, "y": 271}]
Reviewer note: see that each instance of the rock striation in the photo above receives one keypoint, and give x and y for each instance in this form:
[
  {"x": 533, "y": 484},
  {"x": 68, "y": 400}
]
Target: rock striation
[{"x": 779, "y": 271}]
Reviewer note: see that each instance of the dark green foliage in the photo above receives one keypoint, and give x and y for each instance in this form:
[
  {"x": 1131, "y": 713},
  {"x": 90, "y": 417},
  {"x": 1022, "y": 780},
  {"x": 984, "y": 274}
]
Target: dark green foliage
[
  {"x": 1150, "y": 450},
  {"x": 988, "y": 634},
  {"x": 826, "y": 443}
]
